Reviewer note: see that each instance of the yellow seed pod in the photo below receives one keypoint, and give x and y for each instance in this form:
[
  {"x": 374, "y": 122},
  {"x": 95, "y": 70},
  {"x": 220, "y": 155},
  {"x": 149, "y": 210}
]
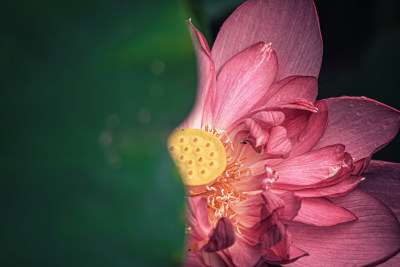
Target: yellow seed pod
[{"x": 199, "y": 156}]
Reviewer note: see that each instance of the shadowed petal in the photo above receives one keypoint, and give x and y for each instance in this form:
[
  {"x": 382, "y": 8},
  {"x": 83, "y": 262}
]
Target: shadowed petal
[
  {"x": 359, "y": 166},
  {"x": 284, "y": 252},
  {"x": 242, "y": 82},
  {"x": 291, "y": 26},
  {"x": 363, "y": 125},
  {"x": 206, "y": 81},
  {"x": 273, "y": 235},
  {"x": 222, "y": 237},
  {"x": 374, "y": 237},
  {"x": 213, "y": 259},
  {"x": 395, "y": 261},
  {"x": 322, "y": 212},
  {"x": 312, "y": 133},
  {"x": 292, "y": 205},
  {"x": 383, "y": 180},
  {"x": 243, "y": 254}
]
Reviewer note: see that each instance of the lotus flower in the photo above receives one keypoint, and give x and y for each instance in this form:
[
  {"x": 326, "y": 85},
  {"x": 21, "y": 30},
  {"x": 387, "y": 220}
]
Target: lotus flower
[{"x": 271, "y": 174}]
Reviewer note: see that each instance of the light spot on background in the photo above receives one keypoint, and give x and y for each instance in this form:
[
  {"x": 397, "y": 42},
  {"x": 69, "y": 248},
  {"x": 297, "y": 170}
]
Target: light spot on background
[
  {"x": 144, "y": 116},
  {"x": 105, "y": 138},
  {"x": 157, "y": 66}
]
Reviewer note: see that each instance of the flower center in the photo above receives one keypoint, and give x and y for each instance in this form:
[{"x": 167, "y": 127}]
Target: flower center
[{"x": 200, "y": 156}]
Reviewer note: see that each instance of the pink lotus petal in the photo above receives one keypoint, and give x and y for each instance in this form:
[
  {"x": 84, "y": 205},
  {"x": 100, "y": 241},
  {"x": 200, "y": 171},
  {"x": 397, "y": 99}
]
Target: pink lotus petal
[
  {"x": 251, "y": 184},
  {"x": 242, "y": 82},
  {"x": 248, "y": 221},
  {"x": 310, "y": 168},
  {"x": 193, "y": 259},
  {"x": 213, "y": 259},
  {"x": 395, "y": 261},
  {"x": 299, "y": 87},
  {"x": 312, "y": 133},
  {"x": 359, "y": 166},
  {"x": 250, "y": 206},
  {"x": 243, "y": 254},
  {"x": 272, "y": 117},
  {"x": 257, "y": 132},
  {"x": 322, "y": 212},
  {"x": 273, "y": 235},
  {"x": 292, "y": 204},
  {"x": 222, "y": 237},
  {"x": 295, "y": 121},
  {"x": 298, "y": 103},
  {"x": 291, "y": 26},
  {"x": 383, "y": 180},
  {"x": 259, "y": 205},
  {"x": 374, "y": 237},
  {"x": 197, "y": 218},
  {"x": 276, "y": 86},
  {"x": 278, "y": 143},
  {"x": 341, "y": 188},
  {"x": 284, "y": 252},
  {"x": 206, "y": 81},
  {"x": 363, "y": 125},
  {"x": 294, "y": 254}
]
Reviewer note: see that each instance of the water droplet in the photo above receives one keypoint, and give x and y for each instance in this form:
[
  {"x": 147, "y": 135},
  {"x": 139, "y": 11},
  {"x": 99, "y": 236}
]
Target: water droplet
[{"x": 302, "y": 136}]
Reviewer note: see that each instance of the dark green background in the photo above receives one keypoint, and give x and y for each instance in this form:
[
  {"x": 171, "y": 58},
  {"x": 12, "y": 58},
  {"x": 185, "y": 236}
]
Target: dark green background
[{"x": 89, "y": 92}]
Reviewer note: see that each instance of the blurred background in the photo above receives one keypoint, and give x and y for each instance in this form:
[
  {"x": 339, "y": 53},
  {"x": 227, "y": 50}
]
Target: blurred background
[{"x": 89, "y": 92}]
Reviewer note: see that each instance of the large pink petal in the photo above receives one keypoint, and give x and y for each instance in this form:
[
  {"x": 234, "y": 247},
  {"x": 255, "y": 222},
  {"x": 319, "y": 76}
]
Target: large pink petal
[
  {"x": 363, "y": 125},
  {"x": 242, "y": 82},
  {"x": 322, "y": 212},
  {"x": 374, "y": 237},
  {"x": 197, "y": 218},
  {"x": 311, "y": 168},
  {"x": 338, "y": 189},
  {"x": 395, "y": 261},
  {"x": 291, "y": 26},
  {"x": 299, "y": 87},
  {"x": 206, "y": 81},
  {"x": 383, "y": 180}
]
